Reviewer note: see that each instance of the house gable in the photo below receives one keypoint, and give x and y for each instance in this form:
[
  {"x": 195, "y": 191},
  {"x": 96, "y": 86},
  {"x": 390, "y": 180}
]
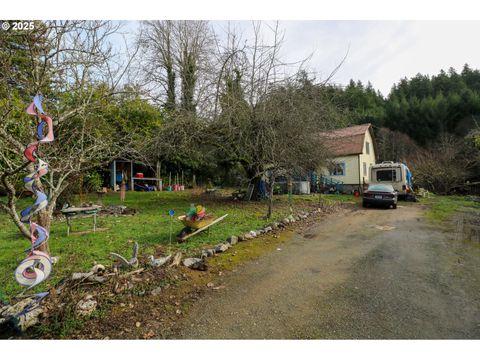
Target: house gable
[
  {"x": 346, "y": 141},
  {"x": 354, "y": 148}
]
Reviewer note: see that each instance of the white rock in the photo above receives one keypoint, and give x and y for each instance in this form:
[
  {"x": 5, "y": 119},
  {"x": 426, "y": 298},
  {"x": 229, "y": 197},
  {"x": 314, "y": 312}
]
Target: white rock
[
  {"x": 16, "y": 308},
  {"x": 232, "y": 240},
  {"x": 190, "y": 262},
  {"x": 85, "y": 307},
  {"x": 220, "y": 248},
  {"x": 156, "y": 291},
  {"x": 160, "y": 261},
  {"x": 30, "y": 318}
]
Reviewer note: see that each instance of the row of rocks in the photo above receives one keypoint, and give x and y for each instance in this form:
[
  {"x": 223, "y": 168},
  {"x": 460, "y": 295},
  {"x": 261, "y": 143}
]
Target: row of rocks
[
  {"x": 199, "y": 262},
  {"x": 87, "y": 305}
]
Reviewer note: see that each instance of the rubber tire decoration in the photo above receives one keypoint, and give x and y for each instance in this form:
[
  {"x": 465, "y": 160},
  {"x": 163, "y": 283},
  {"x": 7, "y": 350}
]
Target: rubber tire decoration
[{"x": 38, "y": 265}]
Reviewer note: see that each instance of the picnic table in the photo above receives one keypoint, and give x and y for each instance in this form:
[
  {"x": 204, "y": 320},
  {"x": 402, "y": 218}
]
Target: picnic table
[{"x": 80, "y": 212}]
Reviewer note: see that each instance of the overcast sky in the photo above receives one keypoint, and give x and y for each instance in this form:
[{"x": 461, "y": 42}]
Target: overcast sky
[{"x": 381, "y": 52}]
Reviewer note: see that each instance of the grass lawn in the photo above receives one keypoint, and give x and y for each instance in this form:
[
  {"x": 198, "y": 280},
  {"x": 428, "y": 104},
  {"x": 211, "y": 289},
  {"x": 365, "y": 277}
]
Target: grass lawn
[
  {"x": 149, "y": 227},
  {"x": 442, "y": 208}
]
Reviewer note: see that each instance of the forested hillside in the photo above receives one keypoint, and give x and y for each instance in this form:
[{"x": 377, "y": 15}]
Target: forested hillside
[
  {"x": 432, "y": 122},
  {"x": 421, "y": 107}
]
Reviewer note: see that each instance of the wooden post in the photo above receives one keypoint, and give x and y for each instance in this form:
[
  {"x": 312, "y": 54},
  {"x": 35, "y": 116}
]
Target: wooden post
[
  {"x": 81, "y": 196},
  {"x": 123, "y": 185},
  {"x": 131, "y": 176},
  {"x": 157, "y": 175},
  {"x": 113, "y": 182},
  {"x": 290, "y": 187}
]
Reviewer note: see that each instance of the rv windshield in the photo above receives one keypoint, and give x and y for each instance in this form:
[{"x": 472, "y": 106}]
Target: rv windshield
[{"x": 387, "y": 175}]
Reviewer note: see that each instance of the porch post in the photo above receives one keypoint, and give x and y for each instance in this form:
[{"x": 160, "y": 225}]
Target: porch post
[
  {"x": 131, "y": 175},
  {"x": 113, "y": 175}
]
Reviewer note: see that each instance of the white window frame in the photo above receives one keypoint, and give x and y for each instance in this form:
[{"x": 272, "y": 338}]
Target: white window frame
[{"x": 343, "y": 167}]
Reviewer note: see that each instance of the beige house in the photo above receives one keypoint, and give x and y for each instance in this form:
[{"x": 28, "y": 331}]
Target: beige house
[{"x": 352, "y": 154}]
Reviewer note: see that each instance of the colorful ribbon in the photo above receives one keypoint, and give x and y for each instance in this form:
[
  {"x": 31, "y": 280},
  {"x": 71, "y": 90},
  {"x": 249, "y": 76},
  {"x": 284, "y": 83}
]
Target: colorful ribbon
[{"x": 38, "y": 265}]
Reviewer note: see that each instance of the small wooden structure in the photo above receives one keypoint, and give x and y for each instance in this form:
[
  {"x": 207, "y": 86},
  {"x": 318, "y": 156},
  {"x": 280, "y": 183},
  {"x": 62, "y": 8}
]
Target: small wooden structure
[
  {"x": 80, "y": 212},
  {"x": 128, "y": 168}
]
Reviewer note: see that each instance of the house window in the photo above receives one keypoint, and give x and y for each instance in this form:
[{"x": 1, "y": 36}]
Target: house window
[
  {"x": 367, "y": 147},
  {"x": 338, "y": 169},
  {"x": 365, "y": 168}
]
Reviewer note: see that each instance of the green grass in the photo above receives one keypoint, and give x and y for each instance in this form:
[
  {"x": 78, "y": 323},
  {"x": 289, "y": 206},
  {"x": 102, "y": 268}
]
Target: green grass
[
  {"x": 442, "y": 208},
  {"x": 149, "y": 227}
]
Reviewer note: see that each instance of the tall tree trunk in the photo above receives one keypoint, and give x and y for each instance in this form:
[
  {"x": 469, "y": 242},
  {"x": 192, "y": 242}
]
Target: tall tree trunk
[
  {"x": 254, "y": 180},
  {"x": 157, "y": 174},
  {"x": 45, "y": 221},
  {"x": 170, "y": 104},
  {"x": 290, "y": 188},
  {"x": 270, "y": 198}
]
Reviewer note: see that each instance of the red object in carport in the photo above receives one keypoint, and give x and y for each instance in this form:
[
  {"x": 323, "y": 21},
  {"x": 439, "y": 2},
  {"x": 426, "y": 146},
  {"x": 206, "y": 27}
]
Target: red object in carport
[{"x": 356, "y": 193}]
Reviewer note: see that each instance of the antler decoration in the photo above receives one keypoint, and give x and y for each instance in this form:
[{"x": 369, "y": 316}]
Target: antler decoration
[{"x": 38, "y": 264}]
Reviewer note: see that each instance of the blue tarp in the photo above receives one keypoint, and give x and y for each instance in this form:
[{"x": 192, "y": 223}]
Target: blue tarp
[{"x": 409, "y": 176}]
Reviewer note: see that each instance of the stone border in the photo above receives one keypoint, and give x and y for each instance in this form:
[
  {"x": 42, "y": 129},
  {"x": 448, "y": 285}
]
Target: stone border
[
  {"x": 198, "y": 262},
  {"x": 26, "y": 316}
]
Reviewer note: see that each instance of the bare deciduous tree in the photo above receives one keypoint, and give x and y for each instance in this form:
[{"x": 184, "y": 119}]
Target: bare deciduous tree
[
  {"x": 269, "y": 119},
  {"x": 394, "y": 145},
  {"x": 177, "y": 61},
  {"x": 443, "y": 165},
  {"x": 77, "y": 70}
]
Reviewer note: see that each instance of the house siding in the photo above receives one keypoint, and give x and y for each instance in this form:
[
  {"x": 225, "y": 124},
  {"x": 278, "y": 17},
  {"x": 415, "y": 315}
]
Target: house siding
[
  {"x": 354, "y": 164},
  {"x": 369, "y": 159},
  {"x": 351, "y": 170}
]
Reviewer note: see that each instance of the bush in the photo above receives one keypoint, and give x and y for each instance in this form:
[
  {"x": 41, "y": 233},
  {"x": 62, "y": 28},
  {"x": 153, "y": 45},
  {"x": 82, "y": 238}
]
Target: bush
[{"x": 92, "y": 182}]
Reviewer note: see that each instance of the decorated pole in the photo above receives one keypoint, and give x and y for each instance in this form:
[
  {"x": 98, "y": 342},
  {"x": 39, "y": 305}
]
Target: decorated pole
[
  {"x": 171, "y": 213},
  {"x": 38, "y": 264}
]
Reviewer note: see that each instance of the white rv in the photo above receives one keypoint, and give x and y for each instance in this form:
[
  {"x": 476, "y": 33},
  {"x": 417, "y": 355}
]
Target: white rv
[{"x": 396, "y": 174}]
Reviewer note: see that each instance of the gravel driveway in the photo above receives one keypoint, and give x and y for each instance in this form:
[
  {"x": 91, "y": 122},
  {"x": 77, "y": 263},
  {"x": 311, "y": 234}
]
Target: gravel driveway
[{"x": 353, "y": 276}]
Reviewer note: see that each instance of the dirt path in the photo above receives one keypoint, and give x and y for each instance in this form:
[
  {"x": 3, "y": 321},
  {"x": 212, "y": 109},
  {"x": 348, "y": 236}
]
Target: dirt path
[{"x": 345, "y": 278}]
